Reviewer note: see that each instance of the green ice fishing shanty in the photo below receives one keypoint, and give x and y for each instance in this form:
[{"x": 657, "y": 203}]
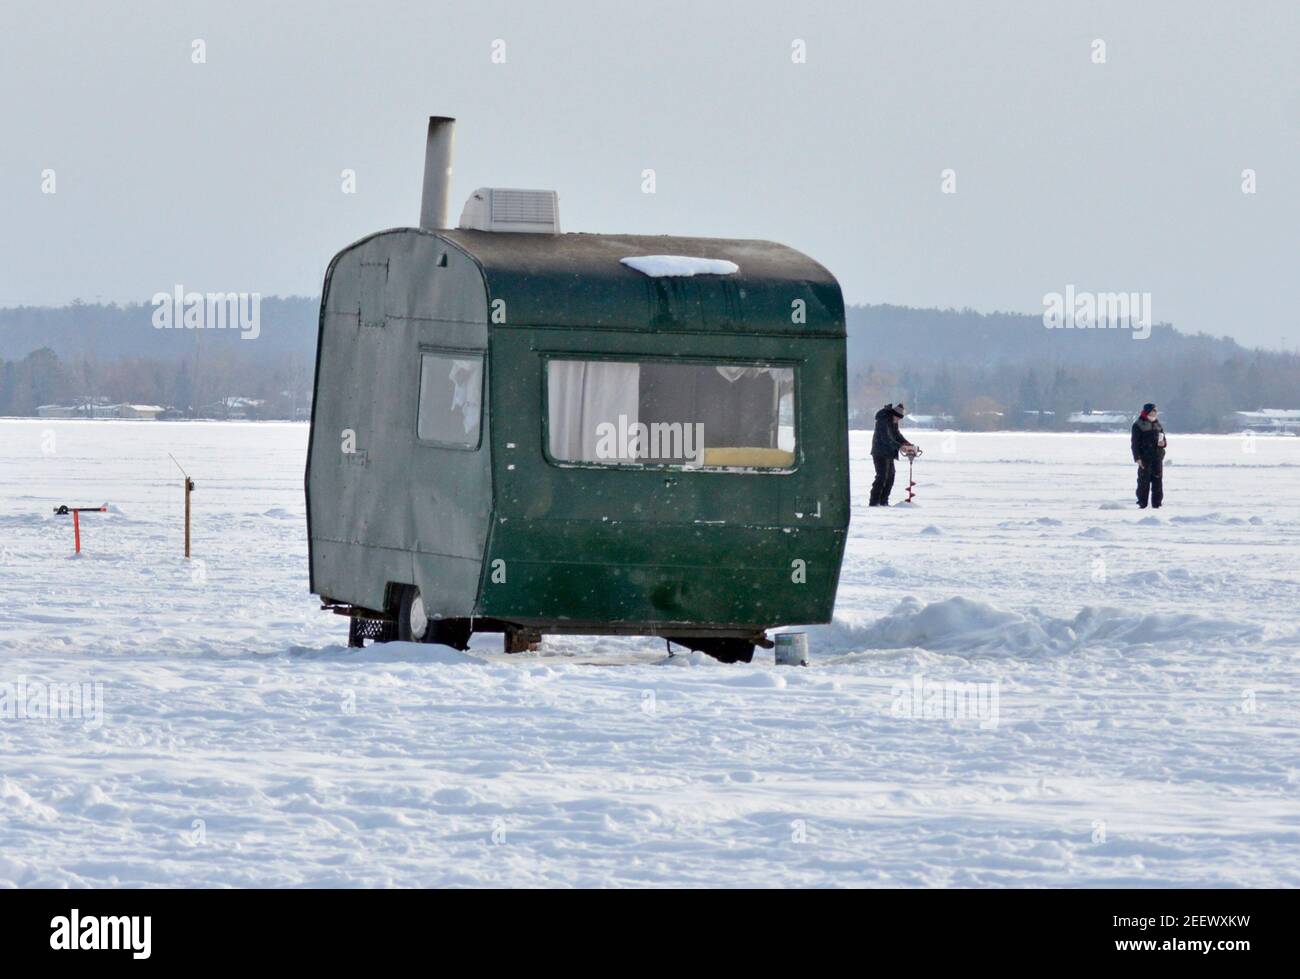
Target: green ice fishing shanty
[{"x": 522, "y": 431}]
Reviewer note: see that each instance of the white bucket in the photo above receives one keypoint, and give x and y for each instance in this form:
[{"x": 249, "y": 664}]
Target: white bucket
[{"x": 792, "y": 649}]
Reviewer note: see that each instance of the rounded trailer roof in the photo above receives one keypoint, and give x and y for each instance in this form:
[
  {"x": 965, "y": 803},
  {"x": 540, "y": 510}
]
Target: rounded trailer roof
[{"x": 579, "y": 280}]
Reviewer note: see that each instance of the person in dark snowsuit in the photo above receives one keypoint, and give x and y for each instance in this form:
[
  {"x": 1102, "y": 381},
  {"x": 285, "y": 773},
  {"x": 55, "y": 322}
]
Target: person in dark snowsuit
[
  {"x": 1148, "y": 445},
  {"x": 885, "y": 446}
]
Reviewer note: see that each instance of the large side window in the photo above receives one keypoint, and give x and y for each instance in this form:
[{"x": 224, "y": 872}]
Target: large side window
[
  {"x": 451, "y": 392},
  {"x": 715, "y": 416}
]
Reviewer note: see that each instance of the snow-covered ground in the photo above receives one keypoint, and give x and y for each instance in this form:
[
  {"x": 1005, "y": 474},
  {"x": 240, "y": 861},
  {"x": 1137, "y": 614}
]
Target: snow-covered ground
[{"x": 1128, "y": 713}]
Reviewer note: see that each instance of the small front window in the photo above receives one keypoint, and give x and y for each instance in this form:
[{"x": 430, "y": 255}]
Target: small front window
[
  {"x": 678, "y": 413},
  {"x": 451, "y": 389}
]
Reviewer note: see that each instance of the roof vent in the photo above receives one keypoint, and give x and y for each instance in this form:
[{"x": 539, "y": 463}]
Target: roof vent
[{"x": 500, "y": 209}]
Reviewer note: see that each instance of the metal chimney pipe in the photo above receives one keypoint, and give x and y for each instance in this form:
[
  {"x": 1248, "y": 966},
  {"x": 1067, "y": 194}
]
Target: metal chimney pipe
[{"x": 437, "y": 174}]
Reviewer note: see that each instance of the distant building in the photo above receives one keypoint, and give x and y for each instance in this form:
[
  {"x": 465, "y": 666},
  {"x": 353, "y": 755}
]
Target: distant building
[
  {"x": 147, "y": 412},
  {"x": 1100, "y": 421},
  {"x": 928, "y": 421},
  {"x": 233, "y": 409},
  {"x": 150, "y": 412},
  {"x": 1281, "y": 421}
]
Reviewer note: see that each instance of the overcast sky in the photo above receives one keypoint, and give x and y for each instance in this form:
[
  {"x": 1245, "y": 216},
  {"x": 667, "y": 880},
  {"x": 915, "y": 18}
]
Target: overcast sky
[{"x": 225, "y": 175}]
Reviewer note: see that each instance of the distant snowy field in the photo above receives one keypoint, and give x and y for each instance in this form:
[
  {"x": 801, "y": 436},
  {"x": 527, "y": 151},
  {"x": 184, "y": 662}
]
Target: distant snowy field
[{"x": 1145, "y": 731}]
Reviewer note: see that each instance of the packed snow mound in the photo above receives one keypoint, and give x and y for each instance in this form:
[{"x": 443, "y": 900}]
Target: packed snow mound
[
  {"x": 1212, "y": 518},
  {"x": 120, "y": 516},
  {"x": 955, "y": 625},
  {"x": 1169, "y": 579},
  {"x": 658, "y": 266},
  {"x": 1114, "y": 626},
  {"x": 404, "y": 652},
  {"x": 1039, "y": 522},
  {"x": 964, "y": 626},
  {"x": 391, "y": 652},
  {"x": 18, "y": 806},
  {"x": 683, "y": 657},
  {"x": 1095, "y": 533},
  {"x": 23, "y": 519},
  {"x": 1157, "y": 576}
]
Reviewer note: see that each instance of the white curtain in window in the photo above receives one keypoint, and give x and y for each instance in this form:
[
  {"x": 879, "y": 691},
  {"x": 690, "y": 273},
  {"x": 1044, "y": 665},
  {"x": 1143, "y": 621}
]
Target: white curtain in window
[
  {"x": 450, "y": 393},
  {"x": 734, "y": 374},
  {"x": 581, "y": 394},
  {"x": 467, "y": 382}
]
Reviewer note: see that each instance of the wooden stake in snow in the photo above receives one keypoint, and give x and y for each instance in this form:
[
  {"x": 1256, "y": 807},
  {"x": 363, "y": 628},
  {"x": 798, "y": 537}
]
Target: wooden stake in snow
[{"x": 189, "y": 488}]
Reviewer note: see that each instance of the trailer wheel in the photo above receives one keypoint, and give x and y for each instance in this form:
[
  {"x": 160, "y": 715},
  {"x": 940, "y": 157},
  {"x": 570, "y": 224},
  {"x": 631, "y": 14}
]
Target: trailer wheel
[
  {"x": 455, "y": 633},
  {"x": 725, "y": 650},
  {"x": 412, "y": 617}
]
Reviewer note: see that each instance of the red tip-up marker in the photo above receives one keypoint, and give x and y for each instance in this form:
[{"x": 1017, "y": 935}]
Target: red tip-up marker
[{"x": 76, "y": 511}]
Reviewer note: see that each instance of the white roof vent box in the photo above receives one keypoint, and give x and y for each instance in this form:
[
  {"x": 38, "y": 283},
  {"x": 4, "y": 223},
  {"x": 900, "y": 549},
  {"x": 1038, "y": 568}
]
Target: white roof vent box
[{"x": 501, "y": 209}]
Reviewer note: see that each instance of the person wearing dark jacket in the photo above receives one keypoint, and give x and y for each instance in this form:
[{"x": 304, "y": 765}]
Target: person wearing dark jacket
[
  {"x": 1148, "y": 445},
  {"x": 886, "y": 443}
]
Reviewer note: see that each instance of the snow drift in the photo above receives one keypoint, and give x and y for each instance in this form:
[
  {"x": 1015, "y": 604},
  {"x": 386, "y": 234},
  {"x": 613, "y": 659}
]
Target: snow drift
[{"x": 966, "y": 626}]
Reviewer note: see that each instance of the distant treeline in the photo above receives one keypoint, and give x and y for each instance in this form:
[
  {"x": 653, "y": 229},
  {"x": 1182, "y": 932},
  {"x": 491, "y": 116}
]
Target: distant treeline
[
  {"x": 1006, "y": 370},
  {"x": 112, "y": 332},
  {"x": 987, "y": 370},
  {"x": 197, "y": 387},
  {"x": 84, "y": 353}
]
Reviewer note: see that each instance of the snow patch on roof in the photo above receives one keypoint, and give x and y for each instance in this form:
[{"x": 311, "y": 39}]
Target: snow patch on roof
[{"x": 657, "y": 266}]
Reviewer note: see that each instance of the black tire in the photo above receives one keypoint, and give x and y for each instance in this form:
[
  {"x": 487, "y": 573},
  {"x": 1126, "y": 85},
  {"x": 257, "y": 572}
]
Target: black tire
[
  {"x": 451, "y": 632},
  {"x": 406, "y": 607},
  {"x": 447, "y": 632},
  {"x": 725, "y": 650}
]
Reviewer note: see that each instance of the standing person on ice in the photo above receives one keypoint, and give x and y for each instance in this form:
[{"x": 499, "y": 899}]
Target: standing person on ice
[
  {"x": 886, "y": 443},
  {"x": 1148, "y": 445}
]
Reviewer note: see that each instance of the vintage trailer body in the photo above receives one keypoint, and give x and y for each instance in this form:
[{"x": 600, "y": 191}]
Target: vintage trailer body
[{"x": 451, "y": 481}]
